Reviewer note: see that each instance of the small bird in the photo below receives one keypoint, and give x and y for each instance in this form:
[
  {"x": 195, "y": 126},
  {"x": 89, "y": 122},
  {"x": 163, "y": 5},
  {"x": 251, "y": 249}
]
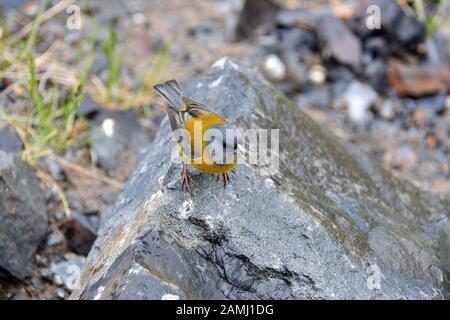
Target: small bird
[{"x": 212, "y": 149}]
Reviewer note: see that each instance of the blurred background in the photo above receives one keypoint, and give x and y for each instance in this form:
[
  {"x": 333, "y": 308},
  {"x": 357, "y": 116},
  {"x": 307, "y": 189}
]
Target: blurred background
[{"x": 77, "y": 105}]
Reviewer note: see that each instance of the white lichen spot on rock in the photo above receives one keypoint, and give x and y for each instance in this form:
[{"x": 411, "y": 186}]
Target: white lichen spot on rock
[
  {"x": 374, "y": 278},
  {"x": 216, "y": 82},
  {"x": 209, "y": 220},
  {"x": 143, "y": 169},
  {"x": 186, "y": 209},
  {"x": 223, "y": 61},
  {"x": 137, "y": 269},
  {"x": 169, "y": 296},
  {"x": 270, "y": 184},
  {"x": 352, "y": 266},
  {"x": 220, "y": 63},
  {"x": 233, "y": 65},
  {"x": 99, "y": 293},
  {"x": 153, "y": 199}
]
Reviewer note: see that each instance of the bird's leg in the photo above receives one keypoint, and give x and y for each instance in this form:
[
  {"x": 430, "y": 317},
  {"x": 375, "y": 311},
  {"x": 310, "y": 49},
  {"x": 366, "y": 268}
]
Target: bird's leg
[
  {"x": 186, "y": 179},
  {"x": 226, "y": 179}
]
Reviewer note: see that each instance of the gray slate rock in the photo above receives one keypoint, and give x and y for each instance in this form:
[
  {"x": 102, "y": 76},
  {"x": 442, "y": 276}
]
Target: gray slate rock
[
  {"x": 339, "y": 41},
  {"x": 332, "y": 224},
  {"x": 23, "y": 217},
  {"x": 9, "y": 140},
  {"x": 116, "y": 133}
]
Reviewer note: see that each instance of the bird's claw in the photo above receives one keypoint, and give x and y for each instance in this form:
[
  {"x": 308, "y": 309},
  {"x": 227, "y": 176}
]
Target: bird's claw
[
  {"x": 186, "y": 179},
  {"x": 226, "y": 179}
]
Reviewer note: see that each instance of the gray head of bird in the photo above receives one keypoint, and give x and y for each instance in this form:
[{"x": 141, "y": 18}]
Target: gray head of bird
[{"x": 224, "y": 141}]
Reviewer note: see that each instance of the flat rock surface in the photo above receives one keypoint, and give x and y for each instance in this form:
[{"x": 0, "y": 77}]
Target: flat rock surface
[{"x": 330, "y": 224}]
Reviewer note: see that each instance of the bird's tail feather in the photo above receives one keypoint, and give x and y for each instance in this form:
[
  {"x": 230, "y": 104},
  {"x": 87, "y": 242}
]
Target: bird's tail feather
[{"x": 171, "y": 92}]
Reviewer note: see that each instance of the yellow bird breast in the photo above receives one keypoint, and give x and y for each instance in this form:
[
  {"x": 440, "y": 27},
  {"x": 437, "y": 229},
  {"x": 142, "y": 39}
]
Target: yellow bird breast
[{"x": 197, "y": 143}]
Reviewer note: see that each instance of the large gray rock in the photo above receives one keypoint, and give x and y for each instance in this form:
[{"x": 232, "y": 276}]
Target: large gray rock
[
  {"x": 331, "y": 224},
  {"x": 23, "y": 217}
]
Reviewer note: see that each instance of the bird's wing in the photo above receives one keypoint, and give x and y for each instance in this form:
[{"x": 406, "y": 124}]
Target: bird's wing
[
  {"x": 177, "y": 121},
  {"x": 171, "y": 92},
  {"x": 196, "y": 108}
]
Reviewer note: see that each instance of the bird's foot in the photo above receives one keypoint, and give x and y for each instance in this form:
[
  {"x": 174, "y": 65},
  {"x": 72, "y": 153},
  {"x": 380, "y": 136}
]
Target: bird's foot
[
  {"x": 186, "y": 179},
  {"x": 226, "y": 179}
]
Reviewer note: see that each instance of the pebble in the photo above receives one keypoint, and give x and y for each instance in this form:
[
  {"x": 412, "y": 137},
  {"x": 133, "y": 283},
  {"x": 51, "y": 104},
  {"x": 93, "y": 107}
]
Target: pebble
[
  {"x": 55, "y": 238},
  {"x": 386, "y": 109},
  {"x": 46, "y": 274},
  {"x": 317, "y": 74},
  {"x": 60, "y": 293},
  {"x": 339, "y": 41},
  {"x": 274, "y": 67},
  {"x": 67, "y": 272},
  {"x": 358, "y": 98}
]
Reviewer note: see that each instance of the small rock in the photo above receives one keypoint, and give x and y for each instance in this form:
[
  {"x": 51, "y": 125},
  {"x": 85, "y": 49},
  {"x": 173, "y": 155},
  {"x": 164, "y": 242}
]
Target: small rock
[
  {"x": 403, "y": 32},
  {"x": 46, "y": 274},
  {"x": 375, "y": 72},
  {"x": 339, "y": 41},
  {"x": 297, "y": 71},
  {"x": 68, "y": 272},
  {"x": 408, "y": 31},
  {"x": 57, "y": 279},
  {"x": 358, "y": 98},
  {"x": 55, "y": 238},
  {"x": 23, "y": 217},
  {"x": 274, "y": 68},
  {"x": 436, "y": 49},
  {"x": 60, "y": 293},
  {"x": 404, "y": 157},
  {"x": 376, "y": 46},
  {"x": 418, "y": 79},
  {"x": 420, "y": 116},
  {"x": 431, "y": 141},
  {"x": 59, "y": 216},
  {"x": 386, "y": 109},
  {"x": 115, "y": 133},
  {"x": 109, "y": 197},
  {"x": 81, "y": 231},
  {"x": 255, "y": 18},
  {"x": 9, "y": 140},
  {"x": 297, "y": 39},
  {"x": 435, "y": 104},
  {"x": 37, "y": 284},
  {"x": 447, "y": 103},
  {"x": 317, "y": 97},
  {"x": 89, "y": 108},
  {"x": 55, "y": 170},
  {"x": 297, "y": 18},
  {"x": 30, "y": 8},
  {"x": 41, "y": 260},
  {"x": 317, "y": 74}
]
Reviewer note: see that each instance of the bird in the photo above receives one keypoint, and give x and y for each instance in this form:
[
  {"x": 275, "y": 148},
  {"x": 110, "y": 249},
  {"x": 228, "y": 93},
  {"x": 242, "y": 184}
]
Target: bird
[{"x": 205, "y": 139}]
